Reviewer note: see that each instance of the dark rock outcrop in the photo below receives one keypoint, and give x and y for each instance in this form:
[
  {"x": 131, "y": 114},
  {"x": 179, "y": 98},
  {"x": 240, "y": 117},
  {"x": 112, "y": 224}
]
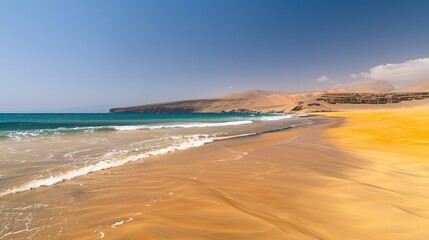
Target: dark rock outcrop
[
  {"x": 241, "y": 110},
  {"x": 332, "y": 102},
  {"x": 372, "y": 98}
]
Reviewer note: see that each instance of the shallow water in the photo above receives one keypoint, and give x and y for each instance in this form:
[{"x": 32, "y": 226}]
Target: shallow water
[{"x": 44, "y": 149}]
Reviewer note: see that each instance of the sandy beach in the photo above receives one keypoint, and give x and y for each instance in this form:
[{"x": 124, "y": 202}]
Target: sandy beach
[
  {"x": 340, "y": 178},
  {"x": 214, "y": 120}
]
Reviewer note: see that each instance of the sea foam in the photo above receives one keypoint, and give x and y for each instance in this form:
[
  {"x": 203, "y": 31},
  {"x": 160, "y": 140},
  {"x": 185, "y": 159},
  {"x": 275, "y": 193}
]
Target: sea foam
[
  {"x": 20, "y": 135},
  {"x": 275, "y": 117},
  {"x": 116, "y": 158},
  {"x": 114, "y": 161},
  {"x": 181, "y": 125}
]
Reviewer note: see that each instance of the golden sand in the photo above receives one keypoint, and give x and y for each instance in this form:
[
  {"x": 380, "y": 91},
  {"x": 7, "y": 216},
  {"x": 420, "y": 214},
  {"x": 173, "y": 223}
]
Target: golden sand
[
  {"x": 401, "y": 134},
  {"x": 341, "y": 178}
]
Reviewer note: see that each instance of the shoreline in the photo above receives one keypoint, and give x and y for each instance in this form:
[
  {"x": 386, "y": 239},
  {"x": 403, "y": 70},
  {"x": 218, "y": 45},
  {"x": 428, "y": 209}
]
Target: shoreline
[
  {"x": 299, "y": 183},
  {"x": 102, "y": 165}
]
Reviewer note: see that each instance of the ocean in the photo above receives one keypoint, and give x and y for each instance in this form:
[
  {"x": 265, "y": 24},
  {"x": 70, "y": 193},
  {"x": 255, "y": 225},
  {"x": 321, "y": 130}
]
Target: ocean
[{"x": 45, "y": 149}]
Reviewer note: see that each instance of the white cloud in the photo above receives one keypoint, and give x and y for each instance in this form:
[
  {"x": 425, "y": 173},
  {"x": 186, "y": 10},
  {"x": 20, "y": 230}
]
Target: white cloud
[
  {"x": 322, "y": 79},
  {"x": 353, "y": 75},
  {"x": 412, "y": 70}
]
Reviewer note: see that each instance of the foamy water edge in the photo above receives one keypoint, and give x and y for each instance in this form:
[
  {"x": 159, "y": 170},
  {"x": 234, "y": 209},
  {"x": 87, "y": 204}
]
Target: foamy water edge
[
  {"x": 190, "y": 142},
  {"x": 19, "y": 135},
  {"x": 196, "y": 141}
]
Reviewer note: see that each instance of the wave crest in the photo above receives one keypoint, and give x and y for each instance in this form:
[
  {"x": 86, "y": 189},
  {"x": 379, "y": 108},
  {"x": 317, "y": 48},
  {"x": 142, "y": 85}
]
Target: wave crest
[{"x": 111, "y": 159}]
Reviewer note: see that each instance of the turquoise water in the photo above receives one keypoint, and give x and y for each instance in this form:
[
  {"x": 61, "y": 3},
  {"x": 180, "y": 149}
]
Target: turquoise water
[
  {"x": 31, "y": 125},
  {"x": 39, "y": 150},
  {"x": 16, "y": 122}
]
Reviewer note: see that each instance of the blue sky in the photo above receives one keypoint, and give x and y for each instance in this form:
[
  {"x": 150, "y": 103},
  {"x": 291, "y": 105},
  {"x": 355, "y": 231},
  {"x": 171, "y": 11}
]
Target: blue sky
[{"x": 80, "y": 56}]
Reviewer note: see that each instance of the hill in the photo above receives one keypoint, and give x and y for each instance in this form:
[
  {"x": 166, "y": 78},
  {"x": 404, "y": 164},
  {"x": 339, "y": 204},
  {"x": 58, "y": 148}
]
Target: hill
[
  {"x": 369, "y": 87},
  {"x": 416, "y": 87},
  {"x": 260, "y": 101}
]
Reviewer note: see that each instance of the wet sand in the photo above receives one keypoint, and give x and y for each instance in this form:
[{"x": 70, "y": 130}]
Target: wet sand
[{"x": 328, "y": 180}]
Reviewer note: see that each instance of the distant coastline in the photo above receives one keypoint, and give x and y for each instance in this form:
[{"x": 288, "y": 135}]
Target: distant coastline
[{"x": 366, "y": 96}]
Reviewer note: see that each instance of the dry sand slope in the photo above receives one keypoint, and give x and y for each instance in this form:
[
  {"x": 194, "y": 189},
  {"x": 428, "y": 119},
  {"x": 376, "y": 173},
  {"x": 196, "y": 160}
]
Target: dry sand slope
[{"x": 365, "y": 176}]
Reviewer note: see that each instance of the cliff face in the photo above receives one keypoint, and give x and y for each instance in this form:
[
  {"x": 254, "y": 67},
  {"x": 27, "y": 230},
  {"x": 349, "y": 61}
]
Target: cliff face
[{"x": 372, "y": 98}]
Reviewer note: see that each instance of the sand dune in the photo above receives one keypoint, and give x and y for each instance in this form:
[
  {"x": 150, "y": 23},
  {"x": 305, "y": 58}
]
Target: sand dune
[
  {"x": 368, "y": 87},
  {"x": 419, "y": 86}
]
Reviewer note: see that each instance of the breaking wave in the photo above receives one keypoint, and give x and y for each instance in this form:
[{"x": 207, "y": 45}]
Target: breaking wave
[
  {"x": 19, "y": 135},
  {"x": 109, "y": 160}
]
